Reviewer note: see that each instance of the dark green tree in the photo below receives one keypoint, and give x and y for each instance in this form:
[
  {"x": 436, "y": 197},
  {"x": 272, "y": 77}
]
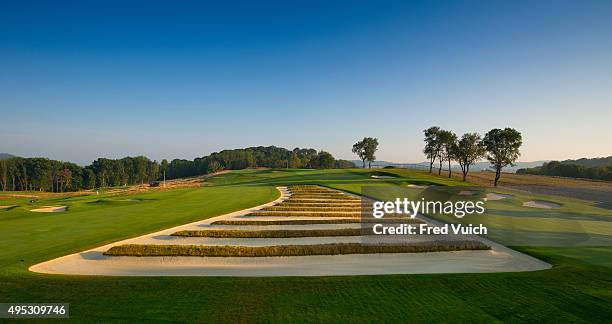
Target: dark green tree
[
  {"x": 432, "y": 145},
  {"x": 502, "y": 147},
  {"x": 467, "y": 151},
  {"x": 359, "y": 149}
]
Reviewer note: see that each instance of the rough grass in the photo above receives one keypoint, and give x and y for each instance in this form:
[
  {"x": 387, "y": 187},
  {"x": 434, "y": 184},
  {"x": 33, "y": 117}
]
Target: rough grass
[
  {"x": 317, "y": 193},
  {"x": 270, "y": 234},
  {"x": 289, "y": 250},
  {"x": 320, "y": 190},
  {"x": 313, "y": 208},
  {"x": 331, "y": 197},
  {"x": 322, "y": 200},
  {"x": 290, "y": 203},
  {"x": 318, "y": 221},
  {"x": 304, "y": 213}
]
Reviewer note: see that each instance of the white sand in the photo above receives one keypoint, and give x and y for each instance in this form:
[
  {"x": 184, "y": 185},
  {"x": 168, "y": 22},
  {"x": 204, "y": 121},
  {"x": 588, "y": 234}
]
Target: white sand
[
  {"x": 49, "y": 209},
  {"x": 93, "y": 262},
  {"x": 497, "y": 196},
  {"x": 466, "y": 193},
  {"x": 417, "y": 186},
  {"x": 541, "y": 204},
  {"x": 382, "y": 177},
  {"x": 7, "y": 207}
]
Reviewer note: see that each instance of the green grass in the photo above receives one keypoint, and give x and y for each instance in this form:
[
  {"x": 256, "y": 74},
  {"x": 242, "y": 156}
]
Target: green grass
[
  {"x": 28, "y": 238},
  {"x": 143, "y": 250},
  {"x": 577, "y": 289},
  {"x": 270, "y": 233}
]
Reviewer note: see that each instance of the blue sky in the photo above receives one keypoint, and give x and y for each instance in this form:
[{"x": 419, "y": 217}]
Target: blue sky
[{"x": 84, "y": 79}]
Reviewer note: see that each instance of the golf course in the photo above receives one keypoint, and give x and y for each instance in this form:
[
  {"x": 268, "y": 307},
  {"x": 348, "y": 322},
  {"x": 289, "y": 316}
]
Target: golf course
[{"x": 574, "y": 238}]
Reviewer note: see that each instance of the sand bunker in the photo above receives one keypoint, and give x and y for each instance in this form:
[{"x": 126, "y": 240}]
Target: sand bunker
[
  {"x": 94, "y": 262},
  {"x": 417, "y": 186},
  {"x": 497, "y": 196},
  {"x": 382, "y": 177},
  {"x": 541, "y": 204},
  {"x": 49, "y": 209},
  {"x": 7, "y": 207},
  {"x": 466, "y": 193}
]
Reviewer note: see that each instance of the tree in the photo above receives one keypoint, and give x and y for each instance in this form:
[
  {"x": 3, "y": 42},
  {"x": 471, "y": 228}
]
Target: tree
[
  {"x": 64, "y": 178},
  {"x": 448, "y": 141},
  {"x": 468, "y": 150},
  {"x": 359, "y": 149},
  {"x": 89, "y": 178},
  {"x": 502, "y": 147},
  {"x": 214, "y": 166},
  {"x": 370, "y": 148},
  {"x": 325, "y": 160},
  {"x": 4, "y": 171},
  {"x": 432, "y": 145},
  {"x": 344, "y": 164}
]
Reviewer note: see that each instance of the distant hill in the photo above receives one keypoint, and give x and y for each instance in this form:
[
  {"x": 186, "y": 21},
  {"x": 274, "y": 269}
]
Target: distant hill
[
  {"x": 596, "y": 168},
  {"x": 475, "y": 167},
  {"x": 518, "y": 165},
  {"x": 589, "y": 163},
  {"x": 4, "y": 156}
]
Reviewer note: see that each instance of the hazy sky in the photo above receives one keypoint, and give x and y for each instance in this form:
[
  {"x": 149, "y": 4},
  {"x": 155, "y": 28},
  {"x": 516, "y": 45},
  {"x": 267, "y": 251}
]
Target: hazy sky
[{"x": 84, "y": 79}]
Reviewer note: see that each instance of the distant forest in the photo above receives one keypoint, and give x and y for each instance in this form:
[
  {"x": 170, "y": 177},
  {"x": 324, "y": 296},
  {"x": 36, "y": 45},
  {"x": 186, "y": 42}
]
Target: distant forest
[
  {"x": 17, "y": 173},
  {"x": 597, "y": 168}
]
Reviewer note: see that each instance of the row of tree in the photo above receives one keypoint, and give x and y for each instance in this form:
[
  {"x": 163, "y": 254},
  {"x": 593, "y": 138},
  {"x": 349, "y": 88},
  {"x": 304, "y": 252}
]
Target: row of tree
[
  {"x": 499, "y": 146},
  {"x": 571, "y": 170},
  {"x": 43, "y": 174},
  {"x": 252, "y": 157}
]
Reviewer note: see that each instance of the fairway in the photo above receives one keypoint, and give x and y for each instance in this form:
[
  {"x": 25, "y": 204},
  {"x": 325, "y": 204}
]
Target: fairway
[{"x": 575, "y": 289}]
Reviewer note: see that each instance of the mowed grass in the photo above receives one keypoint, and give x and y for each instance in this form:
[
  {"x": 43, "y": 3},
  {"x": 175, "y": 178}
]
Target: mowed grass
[
  {"x": 576, "y": 289},
  {"x": 28, "y": 238}
]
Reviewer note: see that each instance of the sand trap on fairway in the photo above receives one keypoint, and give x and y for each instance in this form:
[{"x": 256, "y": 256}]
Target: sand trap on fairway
[
  {"x": 49, "y": 209},
  {"x": 541, "y": 204},
  {"x": 497, "y": 196},
  {"x": 382, "y": 177},
  {"x": 417, "y": 186},
  {"x": 7, "y": 207},
  {"x": 94, "y": 262},
  {"x": 466, "y": 193}
]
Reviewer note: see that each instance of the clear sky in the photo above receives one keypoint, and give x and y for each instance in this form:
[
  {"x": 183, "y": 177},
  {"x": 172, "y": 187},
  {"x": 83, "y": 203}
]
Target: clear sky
[{"x": 84, "y": 79}]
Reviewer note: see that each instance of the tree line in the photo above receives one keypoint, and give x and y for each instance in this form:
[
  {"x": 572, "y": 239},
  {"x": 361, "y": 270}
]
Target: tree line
[
  {"x": 499, "y": 146},
  {"x": 570, "y": 170},
  {"x": 252, "y": 157},
  {"x": 43, "y": 174}
]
